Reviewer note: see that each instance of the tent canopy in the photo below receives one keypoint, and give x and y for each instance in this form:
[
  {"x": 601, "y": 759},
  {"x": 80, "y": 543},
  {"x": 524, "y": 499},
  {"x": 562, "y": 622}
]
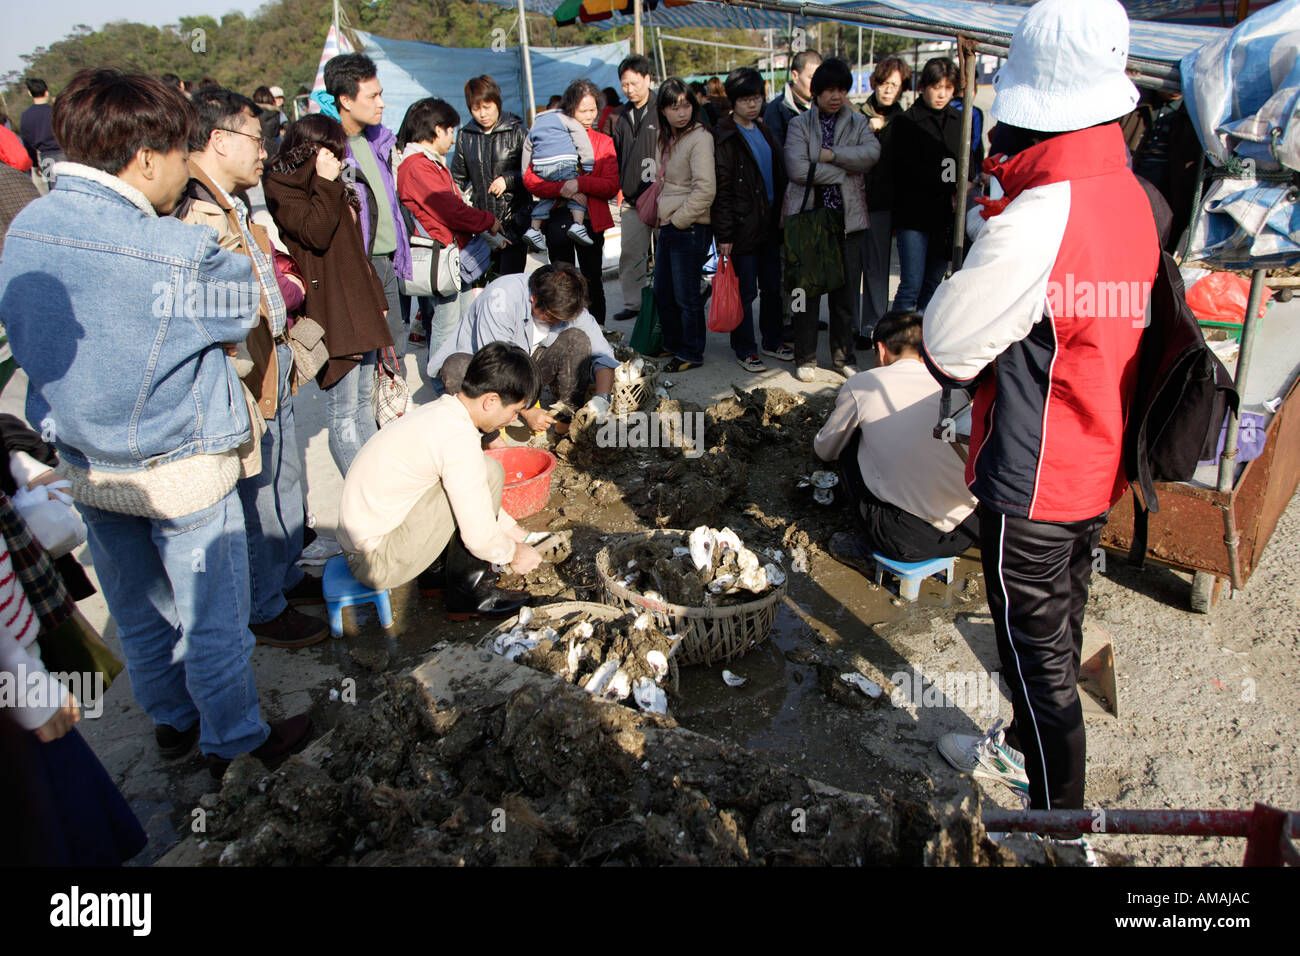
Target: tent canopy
[{"x": 1157, "y": 42}]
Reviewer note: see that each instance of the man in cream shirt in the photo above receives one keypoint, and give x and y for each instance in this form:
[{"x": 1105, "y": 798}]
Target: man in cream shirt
[
  {"x": 908, "y": 487},
  {"x": 421, "y": 489}
]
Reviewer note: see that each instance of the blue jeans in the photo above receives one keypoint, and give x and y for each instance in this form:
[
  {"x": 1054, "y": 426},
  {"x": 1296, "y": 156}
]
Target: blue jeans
[
  {"x": 759, "y": 273},
  {"x": 922, "y": 261},
  {"x": 347, "y": 407},
  {"x": 679, "y": 264},
  {"x": 273, "y": 507},
  {"x": 178, "y": 590}
]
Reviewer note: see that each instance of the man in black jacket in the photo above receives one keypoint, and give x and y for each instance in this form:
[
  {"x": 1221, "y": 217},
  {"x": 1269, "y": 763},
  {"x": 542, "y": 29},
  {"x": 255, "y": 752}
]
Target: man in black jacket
[
  {"x": 746, "y": 216},
  {"x": 636, "y": 131},
  {"x": 796, "y": 97}
]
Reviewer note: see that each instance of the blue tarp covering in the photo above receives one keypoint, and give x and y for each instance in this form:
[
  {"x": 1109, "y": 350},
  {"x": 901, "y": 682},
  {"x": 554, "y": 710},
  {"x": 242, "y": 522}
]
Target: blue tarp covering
[
  {"x": 411, "y": 71},
  {"x": 1243, "y": 96}
]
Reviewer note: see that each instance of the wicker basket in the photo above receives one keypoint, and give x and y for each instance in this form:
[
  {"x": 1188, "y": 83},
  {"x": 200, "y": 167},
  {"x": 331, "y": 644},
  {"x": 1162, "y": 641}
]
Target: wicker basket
[
  {"x": 634, "y": 395},
  {"x": 560, "y": 614},
  {"x": 709, "y": 634}
]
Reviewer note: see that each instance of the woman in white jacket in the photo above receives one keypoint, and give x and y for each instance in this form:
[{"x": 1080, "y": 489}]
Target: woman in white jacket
[
  {"x": 840, "y": 143},
  {"x": 689, "y": 183}
]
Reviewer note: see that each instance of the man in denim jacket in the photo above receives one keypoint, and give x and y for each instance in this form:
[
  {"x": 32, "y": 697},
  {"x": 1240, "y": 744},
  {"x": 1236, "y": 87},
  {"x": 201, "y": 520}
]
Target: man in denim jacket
[{"x": 120, "y": 319}]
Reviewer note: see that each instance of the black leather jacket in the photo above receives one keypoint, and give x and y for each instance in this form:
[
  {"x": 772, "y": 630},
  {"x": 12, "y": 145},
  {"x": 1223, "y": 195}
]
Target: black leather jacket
[{"x": 482, "y": 156}]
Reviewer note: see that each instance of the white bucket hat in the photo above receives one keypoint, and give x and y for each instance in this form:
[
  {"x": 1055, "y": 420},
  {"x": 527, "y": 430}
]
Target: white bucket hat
[{"x": 1065, "y": 67}]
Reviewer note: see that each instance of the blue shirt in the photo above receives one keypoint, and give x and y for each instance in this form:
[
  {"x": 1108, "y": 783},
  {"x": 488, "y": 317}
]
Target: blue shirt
[{"x": 762, "y": 153}]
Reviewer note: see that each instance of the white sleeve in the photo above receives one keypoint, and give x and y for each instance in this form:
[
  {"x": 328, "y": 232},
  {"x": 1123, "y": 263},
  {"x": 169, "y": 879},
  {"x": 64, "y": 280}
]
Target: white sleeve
[
  {"x": 839, "y": 427},
  {"x": 1000, "y": 290},
  {"x": 24, "y": 467}
]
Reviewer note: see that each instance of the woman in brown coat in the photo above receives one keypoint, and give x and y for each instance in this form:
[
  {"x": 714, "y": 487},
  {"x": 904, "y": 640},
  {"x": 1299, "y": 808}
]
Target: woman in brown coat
[{"x": 316, "y": 213}]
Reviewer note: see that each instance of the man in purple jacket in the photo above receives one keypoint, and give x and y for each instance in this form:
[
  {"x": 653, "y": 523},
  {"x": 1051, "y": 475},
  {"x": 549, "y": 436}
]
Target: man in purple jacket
[{"x": 352, "y": 80}]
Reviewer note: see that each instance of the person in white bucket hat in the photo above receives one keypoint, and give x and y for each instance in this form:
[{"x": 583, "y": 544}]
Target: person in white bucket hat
[{"x": 1043, "y": 323}]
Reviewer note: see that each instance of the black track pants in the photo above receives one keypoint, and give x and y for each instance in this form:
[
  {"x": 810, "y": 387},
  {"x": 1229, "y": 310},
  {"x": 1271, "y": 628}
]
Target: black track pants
[{"x": 1037, "y": 575}]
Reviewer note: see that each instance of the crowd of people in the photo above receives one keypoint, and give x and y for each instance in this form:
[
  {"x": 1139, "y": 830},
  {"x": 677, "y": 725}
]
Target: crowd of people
[{"x": 172, "y": 418}]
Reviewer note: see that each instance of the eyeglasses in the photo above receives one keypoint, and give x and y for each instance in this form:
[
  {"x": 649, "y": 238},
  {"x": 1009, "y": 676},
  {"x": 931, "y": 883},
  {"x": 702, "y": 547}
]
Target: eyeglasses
[{"x": 259, "y": 140}]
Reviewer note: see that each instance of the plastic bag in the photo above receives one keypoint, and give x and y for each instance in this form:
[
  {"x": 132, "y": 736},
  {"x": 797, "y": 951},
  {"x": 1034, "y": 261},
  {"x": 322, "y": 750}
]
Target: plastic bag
[
  {"x": 725, "y": 312},
  {"x": 1221, "y": 297}
]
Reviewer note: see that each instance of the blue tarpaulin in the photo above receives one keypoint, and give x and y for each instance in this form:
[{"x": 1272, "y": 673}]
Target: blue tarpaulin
[
  {"x": 411, "y": 71},
  {"x": 1243, "y": 96}
]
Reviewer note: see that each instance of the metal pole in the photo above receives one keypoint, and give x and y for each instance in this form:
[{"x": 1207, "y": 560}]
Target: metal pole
[
  {"x": 963, "y": 161},
  {"x": 872, "y": 58},
  {"x": 528, "y": 60},
  {"x": 638, "y": 36},
  {"x": 860, "y": 48},
  {"x": 1228, "y": 461},
  {"x": 771, "y": 62}
]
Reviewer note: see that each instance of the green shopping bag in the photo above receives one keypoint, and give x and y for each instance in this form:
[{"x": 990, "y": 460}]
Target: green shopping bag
[
  {"x": 647, "y": 335},
  {"x": 814, "y": 247}
]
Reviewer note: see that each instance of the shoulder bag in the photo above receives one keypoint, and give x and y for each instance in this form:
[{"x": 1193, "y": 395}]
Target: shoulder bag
[{"x": 814, "y": 246}]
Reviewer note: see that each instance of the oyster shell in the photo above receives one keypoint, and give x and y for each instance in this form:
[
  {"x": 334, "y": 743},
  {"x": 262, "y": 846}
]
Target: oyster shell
[
  {"x": 824, "y": 479},
  {"x": 733, "y": 680},
  {"x": 868, "y": 687},
  {"x": 649, "y": 696},
  {"x": 598, "y": 681},
  {"x": 754, "y": 580},
  {"x": 775, "y": 576},
  {"x": 619, "y": 686},
  {"x": 658, "y": 663},
  {"x": 728, "y": 540},
  {"x": 703, "y": 543}
]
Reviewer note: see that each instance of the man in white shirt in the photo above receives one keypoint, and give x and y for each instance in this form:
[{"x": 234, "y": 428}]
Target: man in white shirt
[
  {"x": 907, "y": 488},
  {"x": 422, "y": 489}
]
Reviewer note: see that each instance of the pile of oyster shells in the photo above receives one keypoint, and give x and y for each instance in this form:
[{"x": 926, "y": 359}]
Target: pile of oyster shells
[{"x": 718, "y": 560}]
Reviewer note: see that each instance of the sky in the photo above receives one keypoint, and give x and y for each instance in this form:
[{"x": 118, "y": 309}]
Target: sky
[{"x": 24, "y": 26}]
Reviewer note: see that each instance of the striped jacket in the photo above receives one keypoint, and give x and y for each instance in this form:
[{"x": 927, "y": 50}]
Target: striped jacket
[{"x": 1044, "y": 319}]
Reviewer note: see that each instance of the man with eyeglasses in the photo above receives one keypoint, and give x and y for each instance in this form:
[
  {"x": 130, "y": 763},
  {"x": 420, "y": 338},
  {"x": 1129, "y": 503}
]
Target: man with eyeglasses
[{"x": 227, "y": 150}]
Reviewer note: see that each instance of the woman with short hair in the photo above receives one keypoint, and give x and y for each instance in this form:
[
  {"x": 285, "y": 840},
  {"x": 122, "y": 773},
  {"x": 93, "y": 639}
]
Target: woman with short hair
[
  {"x": 924, "y": 145},
  {"x": 425, "y": 187},
  {"x": 487, "y": 167},
  {"x": 840, "y": 142}
]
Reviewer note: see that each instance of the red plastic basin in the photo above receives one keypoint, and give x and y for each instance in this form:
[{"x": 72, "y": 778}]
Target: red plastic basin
[{"x": 528, "y": 479}]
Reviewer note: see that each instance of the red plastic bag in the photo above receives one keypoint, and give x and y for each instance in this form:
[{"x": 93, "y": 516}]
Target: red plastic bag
[
  {"x": 1221, "y": 297},
  {"x": 724, "y": 308}
]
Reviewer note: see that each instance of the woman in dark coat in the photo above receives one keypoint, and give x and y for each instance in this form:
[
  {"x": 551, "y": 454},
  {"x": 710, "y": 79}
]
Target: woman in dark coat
[
  {"x": 890, "y": 78},
  {"x": 316, "y": 213},
  {"x": 922, "y": 161},
  {"x": 488, "y": 166}
]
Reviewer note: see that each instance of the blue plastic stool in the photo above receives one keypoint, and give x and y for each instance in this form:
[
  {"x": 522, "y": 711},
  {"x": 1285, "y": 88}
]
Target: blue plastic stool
[
  {"x": 343, "y": 590},
  {"x": 910, "y": 574}
]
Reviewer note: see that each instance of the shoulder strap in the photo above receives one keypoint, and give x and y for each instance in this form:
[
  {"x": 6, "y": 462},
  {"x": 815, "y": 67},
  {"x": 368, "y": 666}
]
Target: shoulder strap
[{"x": 812, "y": 171}]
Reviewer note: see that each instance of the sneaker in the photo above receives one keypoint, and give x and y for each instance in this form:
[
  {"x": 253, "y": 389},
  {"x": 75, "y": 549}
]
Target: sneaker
[
  {"x": 291, "y": 629},
  {"x": 782, "y": 353},
  {"x": 988, "y": 757},
  {"x": 848, "y": 371},
  {"x": 806, "y": 373},
  {"x": 862, "y": 343},
  {"x": 415, "y": 338},
  {"x": 287, "y": 737},
  {"x": 626, "y": 315},
  {"x": 578, "y": 233},
  {"x": 307, "y": 591},
  {"x": 320, "y": 551},
  {"x": 681, "y": 365},
  {"x": 536, "y": 241},
  {"x": 173, "y": 743},
  {"x": 751, "y": 363},
  {"x": 663, "y": 353}
]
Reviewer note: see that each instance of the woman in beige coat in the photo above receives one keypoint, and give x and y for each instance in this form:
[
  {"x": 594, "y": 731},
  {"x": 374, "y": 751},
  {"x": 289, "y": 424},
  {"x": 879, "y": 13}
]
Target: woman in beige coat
[
  {"x": 686, "y": 172},
  {"x": 840, "y": 142}
]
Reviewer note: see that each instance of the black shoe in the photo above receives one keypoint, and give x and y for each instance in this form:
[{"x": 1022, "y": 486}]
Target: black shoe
[
  {"x": 173, "y": 743},
  {"x": 287, "y": 737},
  {"x": 471, "y": 587},
  {"x": 862, "y": 343},
  {"x": 307, "y": 591},
  {"x": 291, "y": 629},
  {"x": 626, "y": 315},
  {"x": 433, "y": 579},
  {"x": 822, "y": 326}
]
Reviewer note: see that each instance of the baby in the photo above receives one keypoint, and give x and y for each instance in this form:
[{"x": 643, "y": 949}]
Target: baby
[{"x": 558, "y": 148}]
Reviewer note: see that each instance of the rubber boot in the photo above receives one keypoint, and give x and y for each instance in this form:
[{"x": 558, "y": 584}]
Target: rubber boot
[
  {"x": 433, "y": 579},
  {"x": 471, "y": 589}
]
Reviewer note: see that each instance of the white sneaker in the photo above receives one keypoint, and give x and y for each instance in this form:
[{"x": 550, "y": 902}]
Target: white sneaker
[
  {"x": 319, "y": 551},
  {"x": 848, "y": 371},
  {"x": 536, "y": 241},
  {"x": 987, "y": 756},
  {"x": 806, "y": 373},
  {"x": 578, "y": 233}
]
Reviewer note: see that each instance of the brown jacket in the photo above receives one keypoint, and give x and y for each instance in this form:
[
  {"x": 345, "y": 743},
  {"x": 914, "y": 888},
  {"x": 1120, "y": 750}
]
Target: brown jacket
[
  {"x": 205, "y": 205},
  {"x": 322, "y": 234}
]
